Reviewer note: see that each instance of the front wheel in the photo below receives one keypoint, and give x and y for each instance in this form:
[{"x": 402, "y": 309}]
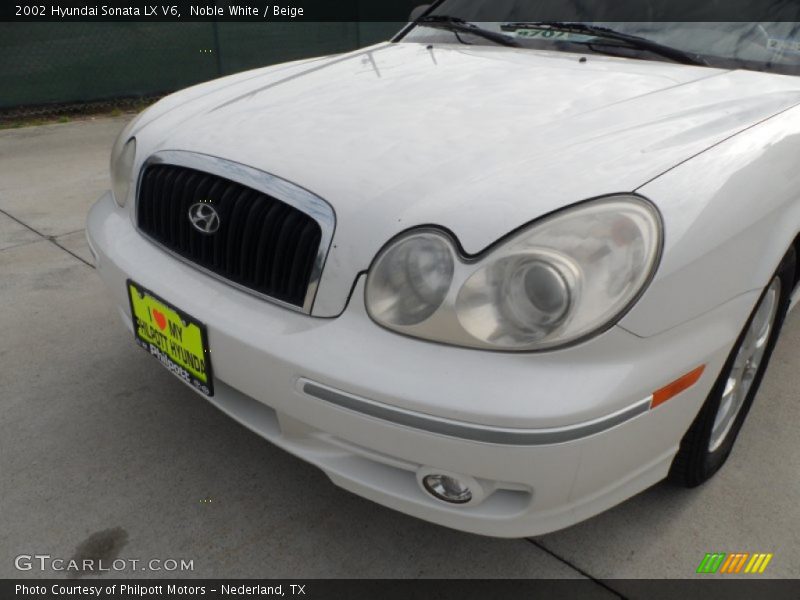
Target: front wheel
[{"x": 710, "y": 439}]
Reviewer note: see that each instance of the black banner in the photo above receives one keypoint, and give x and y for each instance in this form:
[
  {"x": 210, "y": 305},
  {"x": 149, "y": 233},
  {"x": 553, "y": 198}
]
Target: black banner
[
  {"x": 210, "y": 10},
  {"x": 388, "y": 589},
  {"x": 399, "y": 10}
]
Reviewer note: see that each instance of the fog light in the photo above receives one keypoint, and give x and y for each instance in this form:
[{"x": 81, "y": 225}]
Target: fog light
[{"x": 447, "y": 488}]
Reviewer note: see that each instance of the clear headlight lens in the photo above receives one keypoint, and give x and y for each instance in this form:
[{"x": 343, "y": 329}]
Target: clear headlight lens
[
  {"x": 560, "y": 280},
  {"x": 411, "y": 279},
  {"x": 123, "y": 155}
]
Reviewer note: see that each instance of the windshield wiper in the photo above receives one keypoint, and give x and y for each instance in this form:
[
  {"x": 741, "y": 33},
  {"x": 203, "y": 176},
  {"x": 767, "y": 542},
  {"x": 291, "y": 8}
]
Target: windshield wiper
[
  {"x": 631, "y": 41},
  {"x": 457, "y": 25}
]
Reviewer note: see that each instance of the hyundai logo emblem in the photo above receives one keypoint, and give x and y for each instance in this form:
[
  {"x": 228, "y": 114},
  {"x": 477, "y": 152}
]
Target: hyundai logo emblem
[{"x": 204, "y": 217}]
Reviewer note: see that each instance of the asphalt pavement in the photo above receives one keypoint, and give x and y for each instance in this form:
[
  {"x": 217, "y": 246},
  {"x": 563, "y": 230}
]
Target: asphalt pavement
[{"x": 105, "y": 455}]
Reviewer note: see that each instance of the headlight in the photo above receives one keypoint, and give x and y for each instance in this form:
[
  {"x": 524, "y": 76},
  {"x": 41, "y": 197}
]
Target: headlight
[
  {"x": 558, "y": 281},
  {"x": 122, "y": 156},
  {"x": 411, "y": 279}
]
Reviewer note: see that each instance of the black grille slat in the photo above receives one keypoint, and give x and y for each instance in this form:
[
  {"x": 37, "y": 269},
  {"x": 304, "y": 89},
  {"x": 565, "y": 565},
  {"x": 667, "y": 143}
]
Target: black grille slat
[
  {"x": 195, "y": 238},
  {"x": 303, "y": 258},
  {"x": 219, "y": 240},
  {"x": 184, "y": 226},
  {"x": 284, "y": 254},
  {"x": 262, "y": 243},
  {"x": 248, "y": 248},
  {"x": 162, "y": 185},
  {"x": 145, "y": 203},
  {"x": 177, "y": 184},
  {"x": 235, "y": 228},
  {"x": 206, "y": 246},
  {"x": 172, "y": 191}
]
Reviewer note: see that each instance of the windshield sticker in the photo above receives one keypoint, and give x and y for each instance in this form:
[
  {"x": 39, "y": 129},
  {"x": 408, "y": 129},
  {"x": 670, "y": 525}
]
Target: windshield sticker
[
  {"x": 549, "y": 34},
  {"x": 778, "y": 45}
]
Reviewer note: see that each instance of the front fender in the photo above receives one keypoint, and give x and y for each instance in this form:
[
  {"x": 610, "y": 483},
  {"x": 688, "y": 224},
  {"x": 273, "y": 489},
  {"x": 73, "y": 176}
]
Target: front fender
[{"x": 730, "y": 214}]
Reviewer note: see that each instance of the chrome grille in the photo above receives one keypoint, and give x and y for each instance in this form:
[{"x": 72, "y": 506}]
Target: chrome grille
[{"x": 271, "y": 239}]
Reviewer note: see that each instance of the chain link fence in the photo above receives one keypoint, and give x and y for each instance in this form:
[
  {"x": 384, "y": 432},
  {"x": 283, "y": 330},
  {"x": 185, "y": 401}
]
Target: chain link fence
[{"x": 56, "y": 68}]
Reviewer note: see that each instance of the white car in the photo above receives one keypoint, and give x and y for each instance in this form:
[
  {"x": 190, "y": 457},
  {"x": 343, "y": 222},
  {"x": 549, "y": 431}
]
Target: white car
[{"x": 500, "y": 275}]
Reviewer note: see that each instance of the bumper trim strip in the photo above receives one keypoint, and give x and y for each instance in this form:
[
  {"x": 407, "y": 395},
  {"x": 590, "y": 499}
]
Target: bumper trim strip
[{"x": 472, "y": 431}]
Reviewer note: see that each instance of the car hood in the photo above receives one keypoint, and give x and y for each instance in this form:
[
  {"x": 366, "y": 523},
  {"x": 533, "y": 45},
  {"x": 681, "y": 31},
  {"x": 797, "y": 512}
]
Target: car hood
[{"x": 477, "y": 139}]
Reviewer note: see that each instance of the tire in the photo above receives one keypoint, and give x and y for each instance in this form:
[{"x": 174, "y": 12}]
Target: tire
[{"x": 710, "y": 439}]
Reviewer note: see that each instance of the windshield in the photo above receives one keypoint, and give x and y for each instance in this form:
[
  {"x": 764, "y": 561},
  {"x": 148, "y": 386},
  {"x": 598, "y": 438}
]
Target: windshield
[{"x": 764, "y": 46}]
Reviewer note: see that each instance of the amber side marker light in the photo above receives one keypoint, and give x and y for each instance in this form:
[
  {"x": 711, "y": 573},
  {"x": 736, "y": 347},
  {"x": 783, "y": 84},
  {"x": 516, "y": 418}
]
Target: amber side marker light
[{"x": 684, "y": 382}]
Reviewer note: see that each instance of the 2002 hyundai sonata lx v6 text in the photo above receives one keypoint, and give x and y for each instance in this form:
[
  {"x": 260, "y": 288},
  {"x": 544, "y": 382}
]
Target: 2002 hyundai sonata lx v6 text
[{"x": 496, "y": 275}]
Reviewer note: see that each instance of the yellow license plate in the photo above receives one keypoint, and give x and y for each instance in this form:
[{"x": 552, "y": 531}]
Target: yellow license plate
[{"x": 177, "y": 340}]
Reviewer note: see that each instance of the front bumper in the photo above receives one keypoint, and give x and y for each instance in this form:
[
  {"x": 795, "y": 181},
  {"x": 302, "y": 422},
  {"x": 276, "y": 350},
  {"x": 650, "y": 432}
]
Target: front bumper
[{"x": 550, "y": 438}]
